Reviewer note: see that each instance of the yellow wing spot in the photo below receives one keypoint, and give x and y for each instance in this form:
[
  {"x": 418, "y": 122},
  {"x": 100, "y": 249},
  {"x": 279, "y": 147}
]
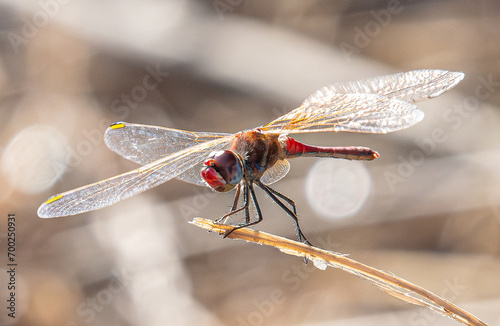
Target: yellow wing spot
[
  {"x": 53, "y": 199},
  {"x": 117, "y": 125}
]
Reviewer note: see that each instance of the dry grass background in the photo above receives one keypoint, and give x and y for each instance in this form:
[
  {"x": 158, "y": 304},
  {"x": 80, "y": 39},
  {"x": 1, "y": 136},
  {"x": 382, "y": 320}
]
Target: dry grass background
[{"x": 432, "y": 209}]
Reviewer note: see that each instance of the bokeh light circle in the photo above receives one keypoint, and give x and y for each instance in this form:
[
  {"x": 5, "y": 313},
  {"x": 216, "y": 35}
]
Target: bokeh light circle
[
  {"x": 34, "y": 159},
  {"x": 337, "y": 188}
]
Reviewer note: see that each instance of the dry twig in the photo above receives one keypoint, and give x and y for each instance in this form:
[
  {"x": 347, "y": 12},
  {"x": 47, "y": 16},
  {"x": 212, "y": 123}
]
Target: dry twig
[{"x": 391, "y": 284}]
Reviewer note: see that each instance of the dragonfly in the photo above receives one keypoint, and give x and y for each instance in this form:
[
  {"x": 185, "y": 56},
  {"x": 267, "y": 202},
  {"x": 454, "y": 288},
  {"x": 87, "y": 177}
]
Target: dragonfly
[{"x": 258, "y": 156}]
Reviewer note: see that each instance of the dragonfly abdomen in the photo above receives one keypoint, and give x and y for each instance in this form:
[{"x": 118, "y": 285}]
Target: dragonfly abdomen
[{"x": 294, "y": 148}]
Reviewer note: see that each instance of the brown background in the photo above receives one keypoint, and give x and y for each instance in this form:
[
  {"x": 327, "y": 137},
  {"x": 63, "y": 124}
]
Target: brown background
[{"x": 66, "y": 68}]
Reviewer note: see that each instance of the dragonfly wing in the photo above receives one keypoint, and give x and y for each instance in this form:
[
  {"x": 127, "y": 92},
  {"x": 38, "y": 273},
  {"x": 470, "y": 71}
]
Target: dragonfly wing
[
  {"x": 145, "y": 144},
  {"x": 110, "y": 191},
  {"x": 375, "y": 105},
  {"x": 276, "y": 172},
  {"x": 370, "y": 113},
  {"x": 193, "y": 174},
  {"x": 412, "y": 86}
]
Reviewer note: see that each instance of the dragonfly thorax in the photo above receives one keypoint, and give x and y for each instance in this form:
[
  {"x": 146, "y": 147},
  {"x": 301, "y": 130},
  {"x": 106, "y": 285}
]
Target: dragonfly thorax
[{"x": 223, "y": 170}]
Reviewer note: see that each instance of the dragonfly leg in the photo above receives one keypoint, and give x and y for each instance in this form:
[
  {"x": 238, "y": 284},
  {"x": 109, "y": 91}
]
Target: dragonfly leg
[
  {"x": 236, "y": 197},
  {"x": 223, "y": 219},
  {"x": 246, "y": 203},
  {"x": 284, "y": 197},
  {"x": 248, "y": 190},
  {"x": 235, "y": 204},
  {"x": 292, "y": 213}
]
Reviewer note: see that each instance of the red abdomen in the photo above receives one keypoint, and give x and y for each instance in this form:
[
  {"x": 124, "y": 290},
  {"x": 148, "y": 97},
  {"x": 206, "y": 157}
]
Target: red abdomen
[{"x": 295, "y": 148}]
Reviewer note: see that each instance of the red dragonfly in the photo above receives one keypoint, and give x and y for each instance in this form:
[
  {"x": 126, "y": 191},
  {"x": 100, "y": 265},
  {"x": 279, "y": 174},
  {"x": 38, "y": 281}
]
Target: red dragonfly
[{"x": 257, "y": 156}]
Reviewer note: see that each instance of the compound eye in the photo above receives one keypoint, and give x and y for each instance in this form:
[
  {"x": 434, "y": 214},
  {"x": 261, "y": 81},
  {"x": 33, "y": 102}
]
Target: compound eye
[
  {"x": 222, "y": 170},
  {"x": 229, "y": 166},
  {"x": 212, "y": 177}
]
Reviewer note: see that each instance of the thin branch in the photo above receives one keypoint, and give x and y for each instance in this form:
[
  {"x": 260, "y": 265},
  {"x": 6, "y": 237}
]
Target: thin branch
[{"x": 389, "y": 283}]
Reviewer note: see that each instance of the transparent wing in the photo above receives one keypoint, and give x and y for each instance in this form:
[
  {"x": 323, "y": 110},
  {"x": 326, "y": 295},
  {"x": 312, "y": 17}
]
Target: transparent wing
[
  {"x": 108, "y": 192},
  {"x": 193, "y": 174},
  {"x": 412, "y": 86},
  {"x": 349, "y": 112},
  {"x": 276, "y": 172},
  {"x": 144, "y": 144},
  {"x": 376, "y": 105}
]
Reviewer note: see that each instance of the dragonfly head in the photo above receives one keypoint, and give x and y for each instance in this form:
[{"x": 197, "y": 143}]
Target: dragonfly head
[{"x": 222, "y": 170}]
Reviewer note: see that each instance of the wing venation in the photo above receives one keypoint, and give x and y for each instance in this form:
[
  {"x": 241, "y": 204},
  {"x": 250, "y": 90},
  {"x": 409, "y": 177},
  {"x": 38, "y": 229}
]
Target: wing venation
[
  {"x": 366, "y": 113},
  {"x": 145, "y": 144},
  {"x": 376, "y": 105},
  {"x": 110, "y": 191},
  {"x": 412, "y": 86}
]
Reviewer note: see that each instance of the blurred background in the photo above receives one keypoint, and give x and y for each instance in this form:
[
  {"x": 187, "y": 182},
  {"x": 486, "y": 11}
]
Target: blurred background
[{"x": 428, "y": 210}]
